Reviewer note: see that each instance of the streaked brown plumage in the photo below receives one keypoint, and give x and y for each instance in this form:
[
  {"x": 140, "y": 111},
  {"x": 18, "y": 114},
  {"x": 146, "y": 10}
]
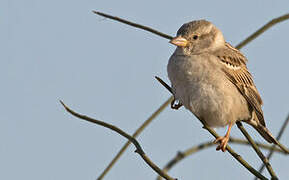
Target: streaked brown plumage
[
  {"x": 236, "y": 71},
  {"x": 210, "y": 78}
]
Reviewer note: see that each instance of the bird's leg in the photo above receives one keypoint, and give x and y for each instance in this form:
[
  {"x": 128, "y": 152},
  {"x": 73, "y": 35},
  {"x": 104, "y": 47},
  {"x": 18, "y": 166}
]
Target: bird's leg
[
  {"x": 223, "y": 140},
  {"x": 177, "y": 105}
]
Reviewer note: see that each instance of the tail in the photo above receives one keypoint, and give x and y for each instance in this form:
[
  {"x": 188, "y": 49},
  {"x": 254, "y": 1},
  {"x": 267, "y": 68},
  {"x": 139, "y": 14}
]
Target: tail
[{"x": 266, "y": 134}]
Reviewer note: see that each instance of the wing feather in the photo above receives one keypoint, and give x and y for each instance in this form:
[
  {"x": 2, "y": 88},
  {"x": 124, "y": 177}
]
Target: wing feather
[{"x": 234, "y": 66}]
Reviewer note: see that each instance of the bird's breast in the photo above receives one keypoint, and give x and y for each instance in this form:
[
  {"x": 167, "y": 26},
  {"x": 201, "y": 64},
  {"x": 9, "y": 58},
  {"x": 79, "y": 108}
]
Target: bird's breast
[
  {"x": 190, "y": 74},
  {"x": 199, "y": 84},
  {"x": 190, "y": 71}
]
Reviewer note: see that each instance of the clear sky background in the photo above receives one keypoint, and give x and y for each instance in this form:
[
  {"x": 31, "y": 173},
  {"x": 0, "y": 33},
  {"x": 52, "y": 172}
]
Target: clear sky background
[{"x": 52, "y": 50}]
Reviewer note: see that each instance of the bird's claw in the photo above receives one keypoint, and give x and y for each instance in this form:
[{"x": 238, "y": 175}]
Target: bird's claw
[
  {"x": 223, "y": 140},
  {"x": 176, "y": 106}
]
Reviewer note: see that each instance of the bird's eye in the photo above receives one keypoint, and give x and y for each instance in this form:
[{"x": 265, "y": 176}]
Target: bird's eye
[{"x": 195, "y": 37}]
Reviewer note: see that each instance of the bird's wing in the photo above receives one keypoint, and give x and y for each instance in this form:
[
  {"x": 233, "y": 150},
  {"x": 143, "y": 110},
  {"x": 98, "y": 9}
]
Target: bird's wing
[{"x": 234, "y": 66}]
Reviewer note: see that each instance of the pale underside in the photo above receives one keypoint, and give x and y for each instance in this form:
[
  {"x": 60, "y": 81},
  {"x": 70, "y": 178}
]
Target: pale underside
[{"x": 216, "y": 87}]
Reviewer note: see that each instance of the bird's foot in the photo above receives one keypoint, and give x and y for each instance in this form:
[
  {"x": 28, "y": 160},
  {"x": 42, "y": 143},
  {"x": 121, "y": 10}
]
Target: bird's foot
[
  {"x": 223, "y": 140},
  {"x": 177, "y": 105}
]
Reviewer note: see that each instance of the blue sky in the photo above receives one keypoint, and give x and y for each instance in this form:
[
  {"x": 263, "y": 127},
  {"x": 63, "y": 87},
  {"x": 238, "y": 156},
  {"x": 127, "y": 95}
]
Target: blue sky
[{"x": 54, "y": 50}]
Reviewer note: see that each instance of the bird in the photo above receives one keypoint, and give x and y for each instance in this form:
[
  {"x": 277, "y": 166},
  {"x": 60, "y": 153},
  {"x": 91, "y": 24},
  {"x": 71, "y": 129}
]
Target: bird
[{"x": 210, "y": 78}]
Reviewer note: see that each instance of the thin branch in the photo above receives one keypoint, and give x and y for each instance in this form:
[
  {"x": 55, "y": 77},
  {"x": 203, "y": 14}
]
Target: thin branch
[
  {"x": 258, "y": 151},
  {"x": 239, "y": 46},
  {"x": 262, "y": 30},
  {"x": 273, "y": 146},
  {"x": 146, "y": 28},
  {"x": 135, "y": 134},
  {"x": 230, "y": 150},
  {"x": 184, "y": 154},
  {"x": 261, "y": 145},
  {"x": 139, "y": 149},
  {"x": 181, "y": 155}
]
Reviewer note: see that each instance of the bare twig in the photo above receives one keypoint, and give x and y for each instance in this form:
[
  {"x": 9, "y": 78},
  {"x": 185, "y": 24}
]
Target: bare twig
[
  {"x": 237, "y": 156},
  {"x": 146, "y": 28},
  {"x": 182, "y": 155},
  {"x": 262, "y": 30},
  {"x": 239, "y": 46},
  {"x": 230, "y": 150},
  {"x": 164, "y": 84},
  {"x": 273, "y": 146},
  {"x": 139, "y": 149},
  {"x": 258, "y": 151},
  {"x": 136, "y": 133}
]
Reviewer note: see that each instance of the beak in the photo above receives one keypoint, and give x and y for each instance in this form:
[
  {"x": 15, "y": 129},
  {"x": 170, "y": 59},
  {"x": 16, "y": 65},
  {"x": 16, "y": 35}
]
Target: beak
[{"x": 179, "y": 41}]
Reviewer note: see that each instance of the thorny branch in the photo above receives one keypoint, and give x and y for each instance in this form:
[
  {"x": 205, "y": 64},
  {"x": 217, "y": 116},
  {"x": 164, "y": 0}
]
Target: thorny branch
[
  {"x": 138, "y": 150},
  {"x": 239, "y": 46}
]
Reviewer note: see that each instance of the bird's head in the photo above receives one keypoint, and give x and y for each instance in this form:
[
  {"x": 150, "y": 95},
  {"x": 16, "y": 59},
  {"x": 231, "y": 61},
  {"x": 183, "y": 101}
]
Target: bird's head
[{"x": 197, "y": 37}]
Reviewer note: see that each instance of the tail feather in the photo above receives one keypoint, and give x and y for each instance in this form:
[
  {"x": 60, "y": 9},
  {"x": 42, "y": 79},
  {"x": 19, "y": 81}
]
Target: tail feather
[
  {"x": 261, "y": 128},
  {"x": 265, "y": 133}
]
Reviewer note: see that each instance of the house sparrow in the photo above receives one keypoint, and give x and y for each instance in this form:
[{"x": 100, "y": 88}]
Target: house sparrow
[{"x": 210, "y": 78}]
